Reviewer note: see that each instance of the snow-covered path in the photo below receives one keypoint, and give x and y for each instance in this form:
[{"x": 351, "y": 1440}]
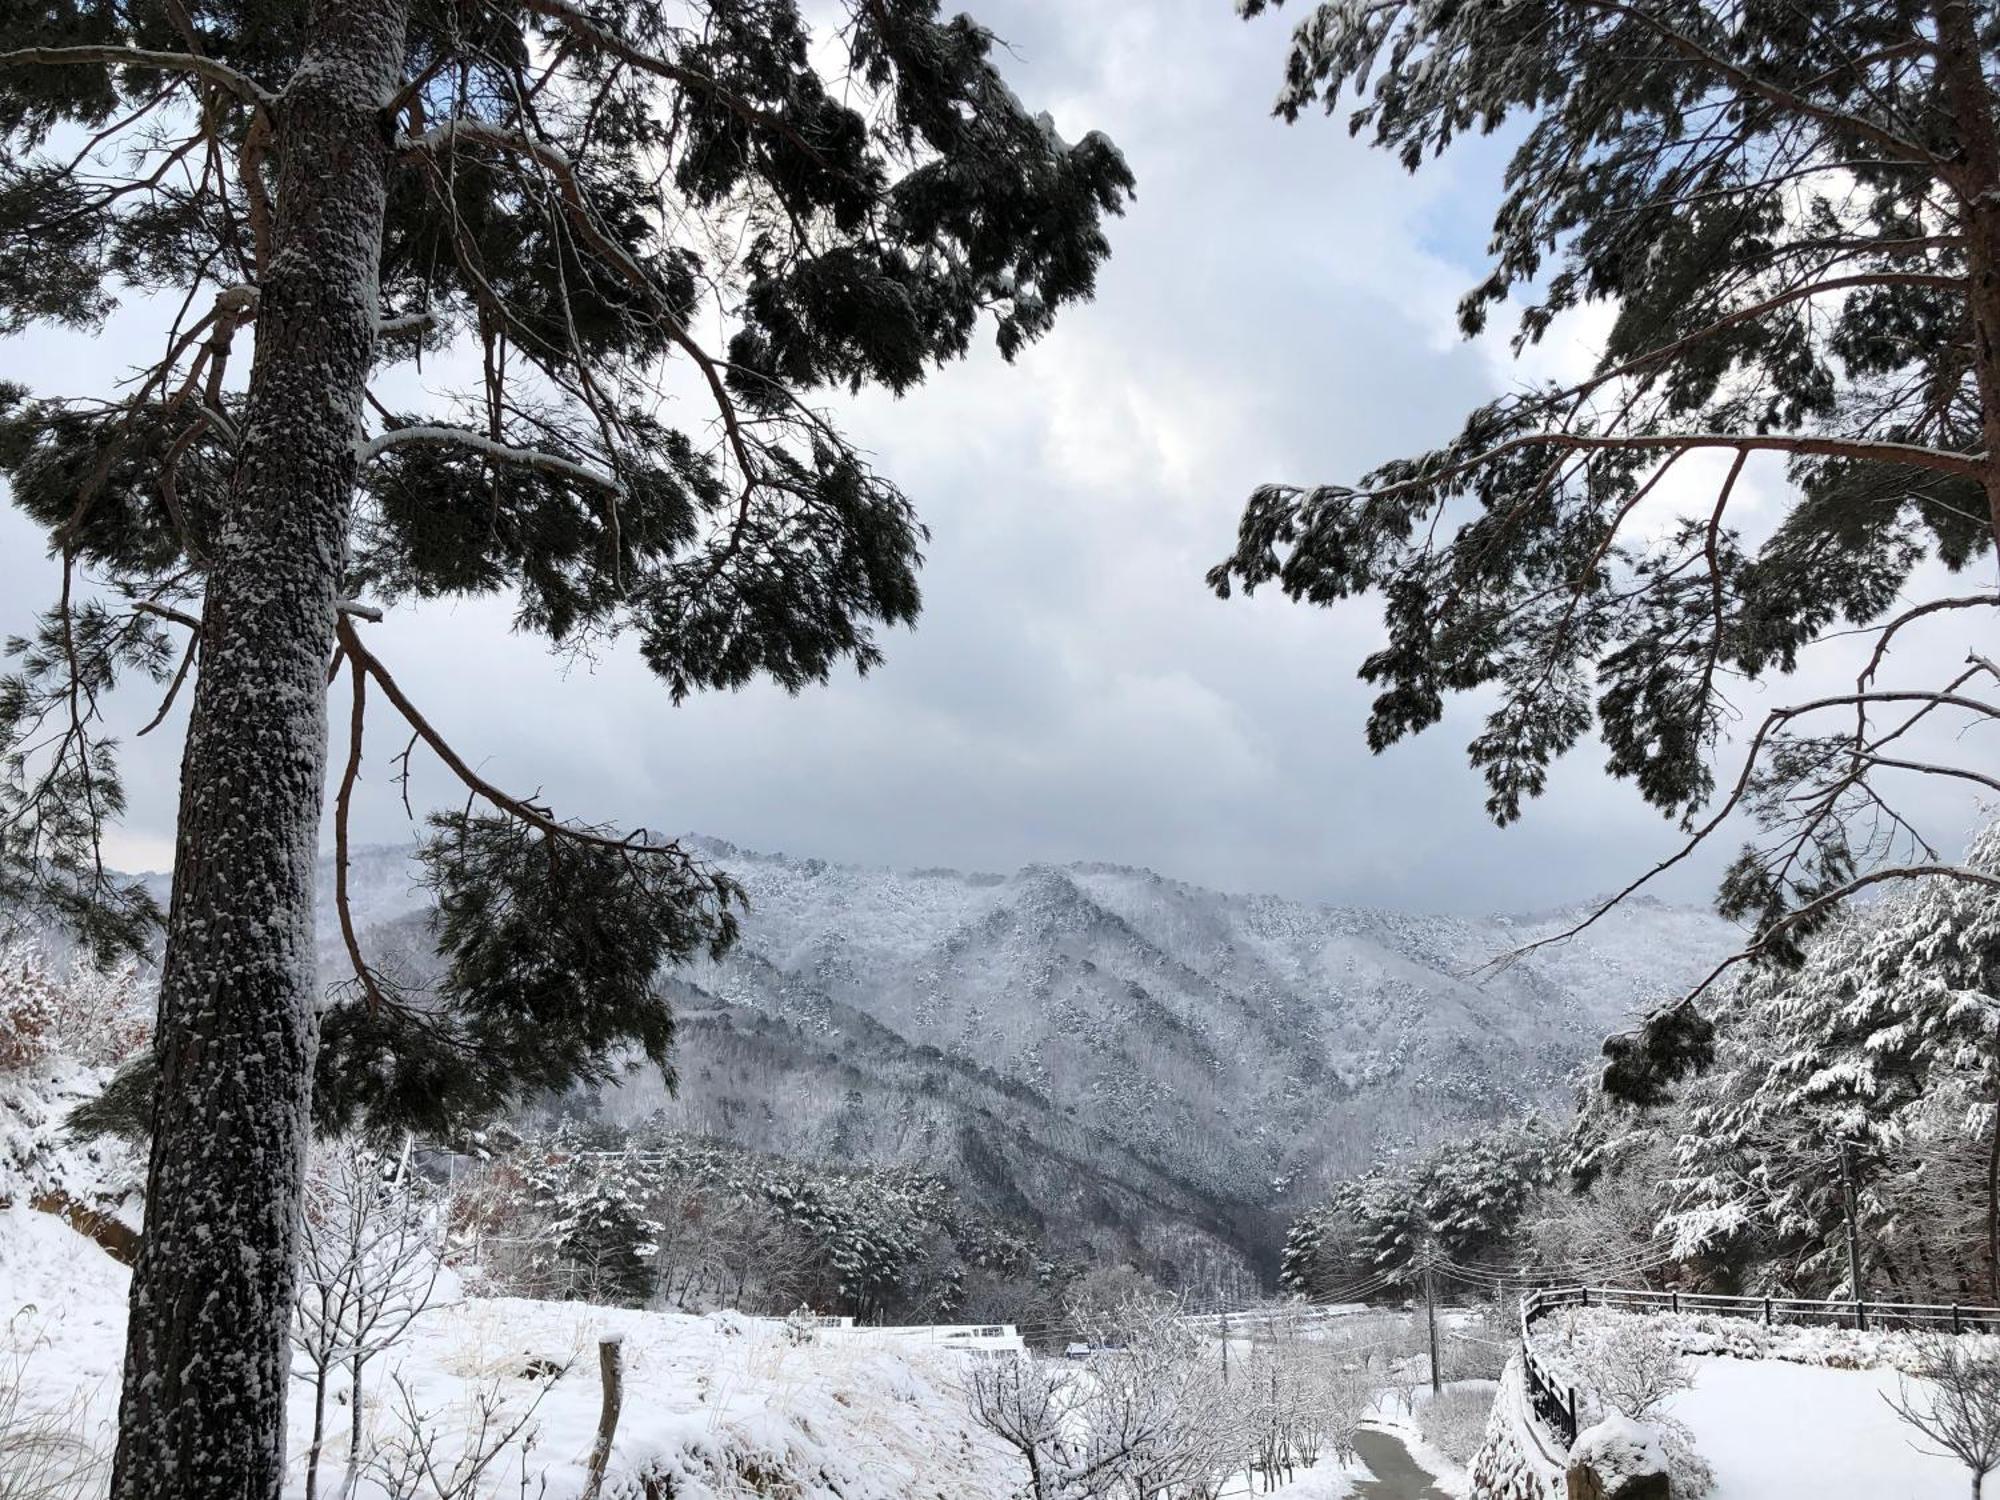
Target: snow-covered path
[{"x": 1778, "y": 1431}]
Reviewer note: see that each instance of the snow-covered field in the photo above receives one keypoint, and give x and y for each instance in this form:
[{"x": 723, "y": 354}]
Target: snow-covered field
[
  {"x": 722, "y": 1404},
  {"x": 1779, "y": 1413},
  {"x": 1773, "y": 1430}
]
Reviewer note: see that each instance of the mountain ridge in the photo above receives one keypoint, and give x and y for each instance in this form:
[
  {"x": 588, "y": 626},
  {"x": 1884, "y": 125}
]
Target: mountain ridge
[{"x": 1139, "y": 1066}]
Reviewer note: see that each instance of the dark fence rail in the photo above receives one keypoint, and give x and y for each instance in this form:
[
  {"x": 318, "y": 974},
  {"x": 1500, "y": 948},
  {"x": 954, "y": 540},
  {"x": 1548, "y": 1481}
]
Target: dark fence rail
[
  {"x": 1554, "y": 1406},
  {"x": 1944, "y": 1317}
]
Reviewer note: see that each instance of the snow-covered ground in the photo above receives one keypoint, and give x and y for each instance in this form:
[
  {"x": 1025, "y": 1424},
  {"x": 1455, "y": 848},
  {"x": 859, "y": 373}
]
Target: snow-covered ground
[
  {"x": 722, "y": 1404},
  {"x": 1773, "y": 1430},
  {"x": 1779, "y": 1413}
]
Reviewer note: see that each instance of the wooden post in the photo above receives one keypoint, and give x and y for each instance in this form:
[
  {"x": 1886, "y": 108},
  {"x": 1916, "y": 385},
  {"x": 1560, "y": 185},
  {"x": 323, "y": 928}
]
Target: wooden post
[
  {"x": 1677, "y": 1299},
  {"x": 1767, "y": 1312},
  {"x": 612, "y": 1374},
  {"x": 1222, "y": 1326},
  {"x": 1430, "y": 1308},
  {"x": 1957, "y": 1325}
]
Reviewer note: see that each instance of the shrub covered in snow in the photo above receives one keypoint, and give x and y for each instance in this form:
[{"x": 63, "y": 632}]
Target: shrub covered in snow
[
  {"x": 1628, "y": 1367},
  {"x": 1454, "y": 1420}
]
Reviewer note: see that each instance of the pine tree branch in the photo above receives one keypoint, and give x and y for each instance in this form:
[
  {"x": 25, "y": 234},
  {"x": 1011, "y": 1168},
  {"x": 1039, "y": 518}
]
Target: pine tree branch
[
  {"x": 534, "y": 815},
  {"x": 1931, "y": 607},
  {"x": 239, "y": 84},
  {"x": 343, "y": 805},
  {"x": 559, "y": 164},
  {"x": 478, "y": 442},
  {"x": 1642, "y": 362},
  {"x": 173, "y": 689},
  {"x": 1826, "y": 902},
  {"x": 1947, "y": 697},
  {"x": 595, "y": 36},
  {"x": 1764, "y": 89},
  {"x": 1861, "y": 450}
]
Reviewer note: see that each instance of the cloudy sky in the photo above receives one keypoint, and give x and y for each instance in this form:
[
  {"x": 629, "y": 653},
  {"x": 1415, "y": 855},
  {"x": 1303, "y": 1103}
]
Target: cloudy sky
[{"x": 1278, "y": 306}]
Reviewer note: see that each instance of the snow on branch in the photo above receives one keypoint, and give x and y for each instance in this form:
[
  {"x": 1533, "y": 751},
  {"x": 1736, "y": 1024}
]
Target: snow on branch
[
  {"x": 239, "y": 84},
  {"x": 558, "y": 163},
  {"x": 1969, "y": 465},
  {"x": 464, "y": 437}
]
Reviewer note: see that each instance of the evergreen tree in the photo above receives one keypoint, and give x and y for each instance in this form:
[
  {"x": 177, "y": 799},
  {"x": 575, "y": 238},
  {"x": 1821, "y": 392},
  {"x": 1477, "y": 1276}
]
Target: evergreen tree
[
  {"x": 1795, "y": 212},
  {"x": 1883, "y": 1045},
  {"x": 575, "y": 191},
  {"x": 1465, "y": 1198}
]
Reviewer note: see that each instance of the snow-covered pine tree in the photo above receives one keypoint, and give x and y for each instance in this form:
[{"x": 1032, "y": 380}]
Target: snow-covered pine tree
[
  {"x": 1885, "y": 1041},
  {"x": 573, "y": 190},
  {"x": 1464, "y": 1196},
  {"x": 1795, "y": 212}
]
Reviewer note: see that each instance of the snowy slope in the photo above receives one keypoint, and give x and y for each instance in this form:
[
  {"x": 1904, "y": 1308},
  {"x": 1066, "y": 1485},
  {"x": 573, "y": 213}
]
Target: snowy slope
[
  {"x": 715, "y": 1406},
  {"x": 1772, "y": 1430},
  {"x": 1145, "y": 1065},
  {"x": 1247, "y": 1046}
]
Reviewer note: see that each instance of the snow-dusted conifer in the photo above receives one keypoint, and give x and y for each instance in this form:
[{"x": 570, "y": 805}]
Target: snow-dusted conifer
[
  {"x": 1793, "y": 215},
  {"x": 576, "y": 194}
]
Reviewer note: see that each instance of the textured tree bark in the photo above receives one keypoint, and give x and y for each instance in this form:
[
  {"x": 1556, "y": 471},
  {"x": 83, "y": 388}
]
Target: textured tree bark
[
  {"x": 206, "y": 1362},
  {"x": 1975, "y": 181}
]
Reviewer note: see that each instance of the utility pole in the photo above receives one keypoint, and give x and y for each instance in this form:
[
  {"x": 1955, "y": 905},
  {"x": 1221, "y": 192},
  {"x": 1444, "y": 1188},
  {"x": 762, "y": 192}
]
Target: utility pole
[
  {"x": 1847, "y": 1200},
  {"x": 1431, "y": 1309}
]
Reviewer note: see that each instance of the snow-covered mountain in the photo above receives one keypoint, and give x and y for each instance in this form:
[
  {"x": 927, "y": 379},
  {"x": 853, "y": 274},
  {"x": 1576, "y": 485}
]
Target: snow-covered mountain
[{"x": 1160, "y": 1069}]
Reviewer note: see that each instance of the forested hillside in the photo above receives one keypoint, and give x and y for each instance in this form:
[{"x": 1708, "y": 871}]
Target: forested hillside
[{"x": 1125, "y": 1063}]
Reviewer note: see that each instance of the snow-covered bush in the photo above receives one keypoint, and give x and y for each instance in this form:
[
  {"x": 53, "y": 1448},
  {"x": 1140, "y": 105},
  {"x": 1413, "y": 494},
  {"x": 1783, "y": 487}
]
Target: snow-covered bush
[
  {"x": 424, "y": 1458},
  {"x": 1633, "y": 1367},
  {"x": 1454, "y": 1420},
  {"x": 27, "y": 1009},
  {"x": 96, "y": 1017}
]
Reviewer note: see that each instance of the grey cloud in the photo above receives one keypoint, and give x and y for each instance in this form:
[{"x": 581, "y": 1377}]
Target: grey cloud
[{"x": 1278, "y": 307}]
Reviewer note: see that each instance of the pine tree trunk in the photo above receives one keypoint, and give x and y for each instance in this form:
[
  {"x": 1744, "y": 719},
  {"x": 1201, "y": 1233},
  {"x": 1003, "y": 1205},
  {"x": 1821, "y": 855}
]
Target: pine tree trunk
[
  {"x": 1975, "y": 181},
  {"x": 206, "y": 1360}
]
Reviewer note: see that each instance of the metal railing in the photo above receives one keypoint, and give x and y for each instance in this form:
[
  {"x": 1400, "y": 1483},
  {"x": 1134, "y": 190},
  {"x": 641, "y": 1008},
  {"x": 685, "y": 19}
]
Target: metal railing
[{"x": 1553, "y": 1405}]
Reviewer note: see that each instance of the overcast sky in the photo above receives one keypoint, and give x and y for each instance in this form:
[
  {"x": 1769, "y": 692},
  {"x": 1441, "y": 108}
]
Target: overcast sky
[{"x": 1278, "y": 307}]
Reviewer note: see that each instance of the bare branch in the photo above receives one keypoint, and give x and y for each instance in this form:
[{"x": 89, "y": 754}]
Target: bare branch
[{"x": 531, "y": 813}]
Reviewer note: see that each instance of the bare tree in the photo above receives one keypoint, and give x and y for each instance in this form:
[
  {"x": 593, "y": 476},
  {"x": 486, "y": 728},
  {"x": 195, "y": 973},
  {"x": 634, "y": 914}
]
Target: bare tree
[
  {"x": 369, "y": 1262},
  {"x": 1031, "y": 1405},
  {"x": 1956, "y": 1404}
]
